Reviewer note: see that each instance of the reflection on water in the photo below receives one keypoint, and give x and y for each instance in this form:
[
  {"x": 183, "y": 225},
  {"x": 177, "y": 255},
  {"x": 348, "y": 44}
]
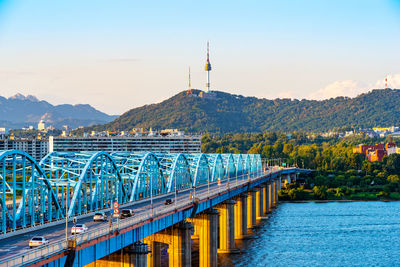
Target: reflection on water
[{"x": 324, "y": 234}]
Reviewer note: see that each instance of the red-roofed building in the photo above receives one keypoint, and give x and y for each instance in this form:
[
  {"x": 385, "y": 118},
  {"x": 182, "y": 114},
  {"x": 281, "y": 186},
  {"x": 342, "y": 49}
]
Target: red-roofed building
[{"x": 375, "y": 152}]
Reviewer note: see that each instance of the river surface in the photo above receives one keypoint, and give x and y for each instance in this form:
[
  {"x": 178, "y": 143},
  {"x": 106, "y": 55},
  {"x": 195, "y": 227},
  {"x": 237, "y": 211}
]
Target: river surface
[{"x": 324, "y": 234}]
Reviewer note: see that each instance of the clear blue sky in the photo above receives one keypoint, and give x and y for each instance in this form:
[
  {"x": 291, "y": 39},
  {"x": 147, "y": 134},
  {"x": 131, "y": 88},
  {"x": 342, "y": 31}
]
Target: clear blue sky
[{"x": 116, "y": 55}]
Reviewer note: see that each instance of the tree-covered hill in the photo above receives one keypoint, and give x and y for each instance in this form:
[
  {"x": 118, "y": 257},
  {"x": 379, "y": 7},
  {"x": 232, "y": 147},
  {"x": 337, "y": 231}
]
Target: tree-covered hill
[{"x": 235, "y": 113}]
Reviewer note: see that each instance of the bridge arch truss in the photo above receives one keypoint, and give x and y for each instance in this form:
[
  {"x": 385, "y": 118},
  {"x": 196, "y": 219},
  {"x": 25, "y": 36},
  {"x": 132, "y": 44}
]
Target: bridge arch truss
[
  {"x": 76, "y": 183},
  {"x": 27, "y": 197}
]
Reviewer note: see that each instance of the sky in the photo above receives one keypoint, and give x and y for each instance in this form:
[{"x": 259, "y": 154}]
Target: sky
[{"x": 117, "y": 55}]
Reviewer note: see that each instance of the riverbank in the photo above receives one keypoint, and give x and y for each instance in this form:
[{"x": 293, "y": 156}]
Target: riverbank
[
  {"x": 335, "y": 200},
  {"x": 293, "y": 192}
]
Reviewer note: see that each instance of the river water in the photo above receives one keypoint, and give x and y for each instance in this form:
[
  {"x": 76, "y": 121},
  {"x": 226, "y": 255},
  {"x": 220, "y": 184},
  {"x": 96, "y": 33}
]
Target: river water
[{"x": 324, "y": 234}]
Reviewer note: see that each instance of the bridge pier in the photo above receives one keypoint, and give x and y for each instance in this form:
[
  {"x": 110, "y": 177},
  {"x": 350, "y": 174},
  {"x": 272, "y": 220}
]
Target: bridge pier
[
  {"x": 208, "y": 237},
  {"x": 241, "y": 216},
  {"x": 251, "y": 209},
  {"x": 287, "y": 179},
  {"x": 227, "y": 226},
  {"x": 134, "y": 255},
  {"x": 277, "y": 188},
  {"x": 260, "y": 202},
  {"x": 271, "y": 195},
  {"x": 137, "y": 254},
  {"x": 177, "y": 238},
  {"x": 266, "y": 204},
  {"x": 154, "y": 256}
]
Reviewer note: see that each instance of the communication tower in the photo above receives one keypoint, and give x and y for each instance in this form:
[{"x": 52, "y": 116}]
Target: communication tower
[
  {"x": 189, "y": 91},
  {"x": 208, "y": 68}
]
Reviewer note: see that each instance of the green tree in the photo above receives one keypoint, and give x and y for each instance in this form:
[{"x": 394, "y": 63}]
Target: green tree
[
  {"x": 320, "y": 192},
  {"x": 392, "y": 164},
  {"x": 292, "y": 193},
  {"x": 287, "y": 149},
  {"x": 394, "y": 178}
]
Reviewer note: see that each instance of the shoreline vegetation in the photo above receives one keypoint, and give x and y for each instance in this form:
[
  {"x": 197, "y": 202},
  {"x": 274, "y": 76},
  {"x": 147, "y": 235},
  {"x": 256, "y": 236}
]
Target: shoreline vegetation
[
  {"x": 339, "y": 174},
  {"x": 336, "y": 200}
]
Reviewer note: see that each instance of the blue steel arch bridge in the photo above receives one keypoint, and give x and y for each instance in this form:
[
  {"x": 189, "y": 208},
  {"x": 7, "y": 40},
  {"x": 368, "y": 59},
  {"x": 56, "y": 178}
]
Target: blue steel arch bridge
[{"x": 76, "y": 183}]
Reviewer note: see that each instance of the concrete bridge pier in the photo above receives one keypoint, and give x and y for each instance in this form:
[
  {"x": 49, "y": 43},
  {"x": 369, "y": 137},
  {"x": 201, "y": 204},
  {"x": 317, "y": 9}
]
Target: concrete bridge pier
[
  {"x": 266, "y": 203},
  {"x": 271, "y": 195},
  {"x": 273, "y": 185},
  {"x": 227, "y": 227},
  {"x": 287, "y": 179},
  {"x": 208, "y": 237},
  {"x": 177, "y": 237},
  {"x": 137, "y": 254},
  {"x": 251, "y": 209},
  {"x": 277, "y": 188},
  {"x": 154, "y": 256},
  {"x": 240, "y": 214},
  {"x": 260, "y": 202},
  {"x": 180, "y": 249}
]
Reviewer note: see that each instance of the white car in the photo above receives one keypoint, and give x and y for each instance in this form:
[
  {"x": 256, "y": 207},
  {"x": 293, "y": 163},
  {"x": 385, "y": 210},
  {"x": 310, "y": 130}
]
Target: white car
[
  {"x": 37, "y": 241},
  {"x": 100, "y": 216},
  {"x": 79, "y": 229}
]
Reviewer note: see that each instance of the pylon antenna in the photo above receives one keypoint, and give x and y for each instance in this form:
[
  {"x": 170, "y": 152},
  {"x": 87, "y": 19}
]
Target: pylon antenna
[
  {"x": 208, "y": 68},
  {"x": 189, "y": 91},
  {"x": 190, "y": 86}
]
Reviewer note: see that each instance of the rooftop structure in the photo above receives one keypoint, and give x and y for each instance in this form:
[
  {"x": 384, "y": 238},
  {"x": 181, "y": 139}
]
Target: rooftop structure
[
  {"x": 153, "y": 143},
  {"x": 35, "y": 147},
  {"x": 375, "y": 152}
]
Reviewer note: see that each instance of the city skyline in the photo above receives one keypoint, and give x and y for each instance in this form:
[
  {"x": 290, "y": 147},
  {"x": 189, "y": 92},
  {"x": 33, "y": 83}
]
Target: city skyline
[{"x": 134, "y": 54}]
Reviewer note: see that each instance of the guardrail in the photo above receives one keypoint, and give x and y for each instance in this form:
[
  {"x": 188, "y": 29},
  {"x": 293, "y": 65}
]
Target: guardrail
[{"x": 61, "y": 245}]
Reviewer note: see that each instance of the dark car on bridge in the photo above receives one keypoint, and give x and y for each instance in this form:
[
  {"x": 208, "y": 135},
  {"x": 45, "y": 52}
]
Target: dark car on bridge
[
  {"x": 127, "y": 213},
  {"x": 168, "y": 201}
]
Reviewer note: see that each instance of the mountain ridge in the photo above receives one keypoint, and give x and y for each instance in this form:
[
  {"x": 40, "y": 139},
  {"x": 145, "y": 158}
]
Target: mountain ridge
[
  {"x": 18, "y": 111},
  {"x": 222, "y": 112}
]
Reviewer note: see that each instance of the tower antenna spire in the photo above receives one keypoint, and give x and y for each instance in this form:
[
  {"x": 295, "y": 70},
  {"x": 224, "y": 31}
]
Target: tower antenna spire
[
  {"x": 208, "y": 68},
  {"x": 386, "y": 83},
  {"x": 189, "y": 91},
  {"x": 190, "y": 86}
]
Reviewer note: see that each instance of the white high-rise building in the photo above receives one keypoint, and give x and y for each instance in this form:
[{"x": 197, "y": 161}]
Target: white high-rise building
[
  {"x": 171, "y": 144},
  {"x": 41, "y": 125}
]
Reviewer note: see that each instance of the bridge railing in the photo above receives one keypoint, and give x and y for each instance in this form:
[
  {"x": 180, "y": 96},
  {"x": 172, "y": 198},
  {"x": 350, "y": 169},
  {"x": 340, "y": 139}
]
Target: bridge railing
[
  {"x": 35, "y": 254},
  {"x": 102, "y": 231},
  {"x": 60, "y": 245}
]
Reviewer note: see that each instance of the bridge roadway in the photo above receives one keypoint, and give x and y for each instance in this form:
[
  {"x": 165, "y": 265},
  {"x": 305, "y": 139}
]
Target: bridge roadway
[
  {"x": 19, "y": 243},
  {"x": 13, "y": 247}
]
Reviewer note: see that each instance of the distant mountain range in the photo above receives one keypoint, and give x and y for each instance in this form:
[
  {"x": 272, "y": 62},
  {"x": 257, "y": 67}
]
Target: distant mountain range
[
  {"x": 223, "y": 112},
  {"x": 19, "y": 111}
]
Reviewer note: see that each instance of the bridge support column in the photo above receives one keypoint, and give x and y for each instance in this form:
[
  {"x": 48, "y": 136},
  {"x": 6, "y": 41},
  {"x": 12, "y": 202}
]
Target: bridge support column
[
  {"x": 180, "y": 249},
  {"x": 260, "y": 202},
  {"x": 137, "y": 254},
  {"x": 177, "y": 237},
  {"x": 227, "y": 226},
  {"x": 251, "y": 209},
  {"x": 271, "y": 194},
  {"x": 241, "y": 216},
  {"x": 266, "y": 199},
  {"x": 287, "y": 179},
  {"x": 154, "y": 256},
  {"x": 277, "y": 187},
  {"x": 208, "y": 237}
]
